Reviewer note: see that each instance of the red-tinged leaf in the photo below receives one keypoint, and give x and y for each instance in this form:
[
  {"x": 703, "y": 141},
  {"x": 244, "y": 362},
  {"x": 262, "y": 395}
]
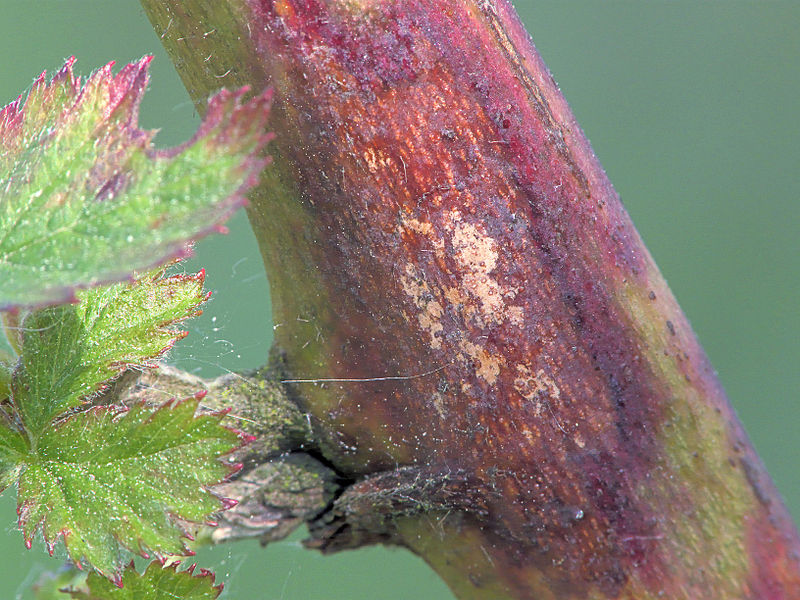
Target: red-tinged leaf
[{"x": 85, "y": 198}]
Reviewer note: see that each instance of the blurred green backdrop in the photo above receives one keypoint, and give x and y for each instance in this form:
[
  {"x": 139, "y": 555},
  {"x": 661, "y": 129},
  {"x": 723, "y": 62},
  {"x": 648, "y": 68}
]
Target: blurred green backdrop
[{"x": 693, "y": 110}]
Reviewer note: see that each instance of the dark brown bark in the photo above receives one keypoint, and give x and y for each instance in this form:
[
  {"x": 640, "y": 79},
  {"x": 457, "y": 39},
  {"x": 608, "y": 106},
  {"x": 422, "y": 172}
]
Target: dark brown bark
[{"x": 481, "y": 337}]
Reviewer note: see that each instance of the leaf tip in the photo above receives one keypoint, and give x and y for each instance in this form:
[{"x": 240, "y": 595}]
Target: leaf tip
[
  {"x": 228, "y": 503},
  {"x": 65, "y": 72}
]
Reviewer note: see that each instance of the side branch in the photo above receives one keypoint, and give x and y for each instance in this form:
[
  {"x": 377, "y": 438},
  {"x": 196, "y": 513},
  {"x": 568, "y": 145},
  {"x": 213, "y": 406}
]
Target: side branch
[
  {"x": 284, "y": 481},
  {"x": 281, "y": 484}
]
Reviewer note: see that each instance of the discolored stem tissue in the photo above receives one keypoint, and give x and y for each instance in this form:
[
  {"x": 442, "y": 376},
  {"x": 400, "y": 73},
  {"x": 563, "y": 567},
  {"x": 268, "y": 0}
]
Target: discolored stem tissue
[{"x": 482, "y": 343}]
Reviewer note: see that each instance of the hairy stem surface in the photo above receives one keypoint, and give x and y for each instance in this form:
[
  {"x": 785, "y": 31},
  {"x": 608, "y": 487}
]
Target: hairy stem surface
[{"x": 474, "y": 326}]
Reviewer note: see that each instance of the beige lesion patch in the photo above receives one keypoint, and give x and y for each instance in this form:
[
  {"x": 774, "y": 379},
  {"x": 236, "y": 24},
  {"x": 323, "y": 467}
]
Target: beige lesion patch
[
  {"x": 477, "y": 255},
  {"x": 487, "y": 365},
  {"x": 417, "y": 226},
  {"x": 515, "y": 315},
  {"x": 423, "y": 228},
  {"x": 431, "y": 311},
  {"x": 474, "y": 250},
  {"x": 480, "y": 299},
  {"x": 537, "y": 388},
  {"x": 438, "y": 403}
]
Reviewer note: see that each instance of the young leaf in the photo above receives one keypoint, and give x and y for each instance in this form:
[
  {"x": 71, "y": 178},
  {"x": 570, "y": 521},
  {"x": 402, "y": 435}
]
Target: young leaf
[
  {"x": 107, "y": 480},
  {"x": 156, "y": 583},
  {"x": 68, "y": 351},
  {"x": 84, "y": 198}
]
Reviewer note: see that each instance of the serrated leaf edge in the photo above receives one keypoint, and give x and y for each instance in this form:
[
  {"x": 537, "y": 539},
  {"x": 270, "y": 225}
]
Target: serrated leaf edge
[
  {"x": 135, "y": 76},
  {"x": 226, "y": 503},
  {"x": 158, "y": 277}
]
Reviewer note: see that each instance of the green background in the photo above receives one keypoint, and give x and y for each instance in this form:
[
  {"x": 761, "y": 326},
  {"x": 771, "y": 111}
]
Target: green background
[{"x": 692, "y": 108}]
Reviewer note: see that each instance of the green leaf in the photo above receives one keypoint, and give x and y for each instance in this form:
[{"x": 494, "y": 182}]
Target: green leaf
[
  {"x": 84, "y": 197},
  {"x": 5, "y": 376},
  {"x": 68, "y": 351},
  {"x": 156, "y": 583},
  {"x": 52, "y": 586},
  {"x": 108, "y": 481},
  {"x": 13, "y": 450}
]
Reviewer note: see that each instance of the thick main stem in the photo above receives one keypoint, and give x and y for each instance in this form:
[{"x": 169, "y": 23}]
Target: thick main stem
[{"x": 445, "y": 249}]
